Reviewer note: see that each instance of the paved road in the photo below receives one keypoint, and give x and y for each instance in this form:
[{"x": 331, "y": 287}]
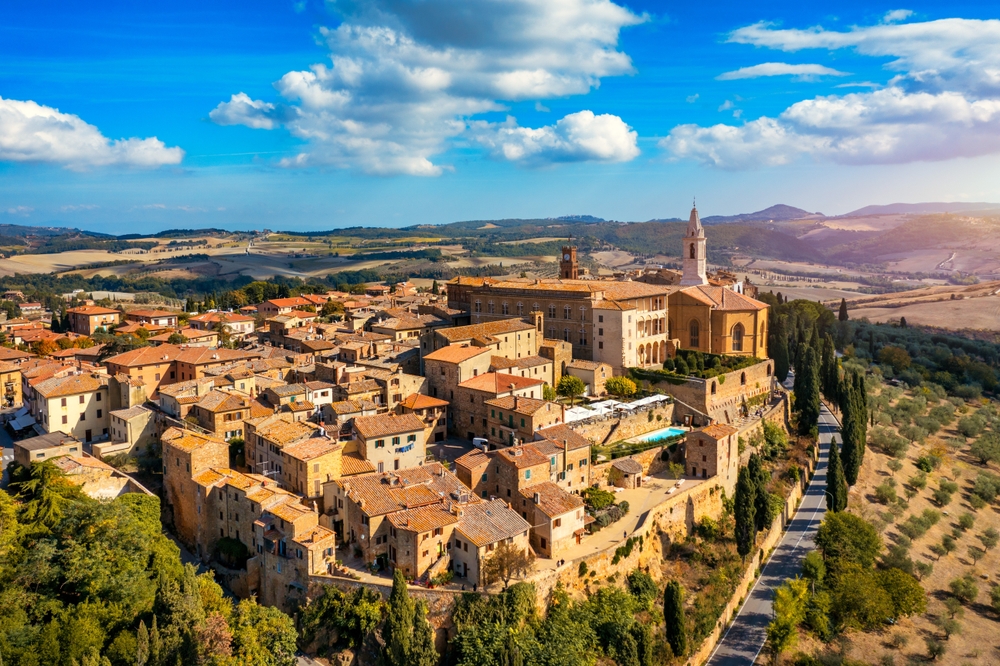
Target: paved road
[{"x": 744, "y": 640}]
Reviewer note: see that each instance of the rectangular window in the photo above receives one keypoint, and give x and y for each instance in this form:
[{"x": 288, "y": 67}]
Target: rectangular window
[
  {"x": 157, "y": 377},
  {"x": 83, "y": 416},
  {"x": 98, "y": 396},
  {"x": 600, "y": 345},
  {"x": 81, "y": 399},
  {"x": 411, "y": 438},
  {"x": 98, "y": 413},
  {"x": 600, "y": 331},
  {"x": 395, "y": 441},
  {"x": 64, "y": 418},
  {"x": 63, "y": 401},
  {"x": 527, "y": 474}
]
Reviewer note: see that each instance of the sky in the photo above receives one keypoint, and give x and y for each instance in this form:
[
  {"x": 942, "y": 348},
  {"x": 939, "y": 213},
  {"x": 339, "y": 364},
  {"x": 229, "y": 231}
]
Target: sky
[{"x": 128, "y": 117}]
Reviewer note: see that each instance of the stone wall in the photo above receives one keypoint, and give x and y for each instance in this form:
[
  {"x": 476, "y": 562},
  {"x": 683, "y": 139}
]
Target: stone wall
[
  {"x": 651, "y": 460},
  {"x": 730, "y": 389},
  {"x": 633, "y": 424}
]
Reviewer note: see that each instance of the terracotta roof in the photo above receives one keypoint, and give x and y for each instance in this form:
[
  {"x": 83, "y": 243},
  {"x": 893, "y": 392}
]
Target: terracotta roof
[
  {"x": 201, "y": 355},
  {"x": 9, "y": 367},
  {"x": 423, "y": 519},
  {"x": 421, "y": 401},
  {"x": 150, "y": 313},
  {"x": 526, "y": 455},
  {"x": 497, "y": 382},
  {"x": 288, "y": 302},
  {"x": 304, "y": 406},
  {"x": 72, "y": 385},
  {"x": 560, "y": 432},
  {"x": 352, "y": 406},
  {"x": 472, "y": 459},
  {"x": 379, "y": 494},
  {"x": 7, "y": 354},
  {"x": 220, "y": 401},
  {"x": 585, "y": 365},
  {"x": 309, "y": 449},
  {"x": 288, "y": 389},
  {"x": 528, "y": 406},
  {"x": 718, "y": 430},
  {"x": 485, "y": 331},
  {"x": 145, "y": 356},
  {"x": 187, "y": 440},
  {"x": 381, "y": 425},
  {"x": 722, "y": 298},
  {"x": 189, "y": 333},
  {"x": 317, "y": 536},
  {"x": 214, "y": 317},
  {"x": 131, "y": 412},
  {"x": 484, "y": 523},
  {"x": 289, "y": 511},
  {"x": 628, "y": 465},
  {"x": 283, "y": 432},
  {"x": 92, "y": 310},
  {"x": 552, "y": 500},
  {"x": 353, "y": 464},
  {"x": 407, "y": 322},
  {"x": 361, "y": 386},
  {"x": 318, "y": 386}
]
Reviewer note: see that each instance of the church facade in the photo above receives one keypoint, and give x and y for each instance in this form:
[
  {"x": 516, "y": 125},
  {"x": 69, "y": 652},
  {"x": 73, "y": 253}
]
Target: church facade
[{"x": 709, "y": 318}]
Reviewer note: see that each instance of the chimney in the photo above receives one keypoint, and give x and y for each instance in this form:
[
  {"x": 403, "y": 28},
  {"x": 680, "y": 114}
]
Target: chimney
[
  {"x": 515, "y": 403},
  {"x": 565, "y": 453}
]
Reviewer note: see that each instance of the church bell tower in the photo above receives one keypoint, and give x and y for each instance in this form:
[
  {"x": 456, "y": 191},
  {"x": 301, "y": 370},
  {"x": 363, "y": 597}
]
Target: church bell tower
[
  {"x": 694, "y": 252},
  {"x": 568, "y": 267}
]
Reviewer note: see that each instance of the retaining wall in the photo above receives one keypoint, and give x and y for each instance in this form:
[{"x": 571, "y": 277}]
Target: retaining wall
[{"x": 633, "y": 424}]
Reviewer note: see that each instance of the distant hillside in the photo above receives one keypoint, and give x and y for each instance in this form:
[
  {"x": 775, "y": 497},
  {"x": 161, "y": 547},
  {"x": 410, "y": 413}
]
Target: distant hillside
[
  {"x": 779, "y": 212},
  {"x": 930, "y": 207},
  {"x": 932, "y": 232}
]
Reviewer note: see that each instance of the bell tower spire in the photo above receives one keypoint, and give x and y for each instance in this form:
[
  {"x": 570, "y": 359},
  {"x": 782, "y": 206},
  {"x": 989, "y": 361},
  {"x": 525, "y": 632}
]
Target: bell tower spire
[{"x": 694, "y": 252}]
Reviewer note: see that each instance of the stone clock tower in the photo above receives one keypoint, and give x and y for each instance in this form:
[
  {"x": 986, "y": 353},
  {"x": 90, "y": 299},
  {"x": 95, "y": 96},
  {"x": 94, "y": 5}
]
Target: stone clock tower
[
  {"x": 568, "y": 268},
  {"x": 694, "y": 253}
]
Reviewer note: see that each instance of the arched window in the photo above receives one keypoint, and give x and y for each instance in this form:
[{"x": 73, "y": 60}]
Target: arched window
[
  {"x": 479, "y": 306},
  {"x": 534, "y": 307},
  {"x": 552, "y": 311},
  {"x": 694, "y": 334},
  {"x": 504, "y": 308},
  {"x": 520, "y": 309},
  {"x": 583, "y": 314},
  {"x": 567, "y": 312},
  {"x": 566, "y": 334},
  {"x": 738, "y": 338},
  {"x": 583, "y": 336},
  {"x": 692, "y": 250},
  {"x": 491, "y": 307}
]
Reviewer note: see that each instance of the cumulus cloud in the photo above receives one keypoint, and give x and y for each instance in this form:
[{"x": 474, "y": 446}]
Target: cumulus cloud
[
  {"x": 31, "y": 132},
  {"x": 577, "y": 137},
  {"x": 896, "y": 15},
  {"x": 942, "y": 101},
  {"x": 405, "y": 78},
  {"x": 804, "y": 72}
]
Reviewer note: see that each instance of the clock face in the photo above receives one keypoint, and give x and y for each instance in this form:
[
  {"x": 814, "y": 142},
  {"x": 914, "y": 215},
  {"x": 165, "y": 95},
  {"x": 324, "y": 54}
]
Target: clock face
[{"x": 565, "y": 257}]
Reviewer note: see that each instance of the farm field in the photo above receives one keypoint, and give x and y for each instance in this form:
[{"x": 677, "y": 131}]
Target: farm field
[{"x": 954, "y": 517}]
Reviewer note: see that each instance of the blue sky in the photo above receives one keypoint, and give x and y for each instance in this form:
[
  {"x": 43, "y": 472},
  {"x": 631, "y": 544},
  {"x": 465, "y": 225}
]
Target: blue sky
[{"x": 312, "y": 115}]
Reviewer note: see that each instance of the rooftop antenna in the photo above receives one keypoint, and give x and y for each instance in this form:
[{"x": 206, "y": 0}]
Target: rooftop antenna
[{"x": 694, "y": 202}]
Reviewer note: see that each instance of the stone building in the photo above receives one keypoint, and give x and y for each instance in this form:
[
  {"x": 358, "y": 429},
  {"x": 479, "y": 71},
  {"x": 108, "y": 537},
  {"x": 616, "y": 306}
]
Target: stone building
[
  {"x": 514, "y": 420},
  {"x": 557, "y": 518},
  {"x": 713, "y": 451},
  {"x": 88, "y": 319},
  {"x": 481, "y": 528},
  {"x": 432, "y": 411},
  {"x": 469, "y": 411},
  {"x": 391, "y": 441},
  {"x": 592, "y": 374},
  {"x": 76, "y": 405}
]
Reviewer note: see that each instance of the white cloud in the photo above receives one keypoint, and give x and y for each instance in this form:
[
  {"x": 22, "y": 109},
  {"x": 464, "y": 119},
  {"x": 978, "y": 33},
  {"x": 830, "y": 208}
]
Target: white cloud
[
  {"x": 802, "y": 72},
  {"x": 896, "y": 15},
  {"x": 541, "y": 108},
  {"x": 241, "y": 110},
  {"x": 578, "y": 137},
  {"x": 725, "y": 106},
  {"x": 31, "y": 132},
  {"x": 405, "y": 78},
  {"x": 71, "y": 208},
  {"x": 942, "y": 102},
  {"x": 691, "y": 99},
  {"x": 23, "y": 211}
]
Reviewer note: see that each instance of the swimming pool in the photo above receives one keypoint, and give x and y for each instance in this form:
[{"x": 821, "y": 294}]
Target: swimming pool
[{"x": 656, "y": 435}]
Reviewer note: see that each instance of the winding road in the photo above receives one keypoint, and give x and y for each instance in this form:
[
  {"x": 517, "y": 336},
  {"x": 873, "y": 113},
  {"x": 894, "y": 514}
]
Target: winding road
[{"x": 745, "y": 638}]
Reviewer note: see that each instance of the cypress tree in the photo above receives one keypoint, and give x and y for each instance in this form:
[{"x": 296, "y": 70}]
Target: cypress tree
[
  {"x": 829, "y": 376},
  {"x": 861, "y": 418},
  {"x": 762, "y": 499},
  {"x": 842, "y": 315},
  {"x": 673, "y": 618},
  {"x": 744, "y": 509},
  {"x": 807, "y": 392},
  {"x": 398, "y": 628},
  {"x": 836, "y": 485},
  {"x": 779, "y": 348},
  {"x": 848, "y": 429},
  {"x": 422, "y": 650}
]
